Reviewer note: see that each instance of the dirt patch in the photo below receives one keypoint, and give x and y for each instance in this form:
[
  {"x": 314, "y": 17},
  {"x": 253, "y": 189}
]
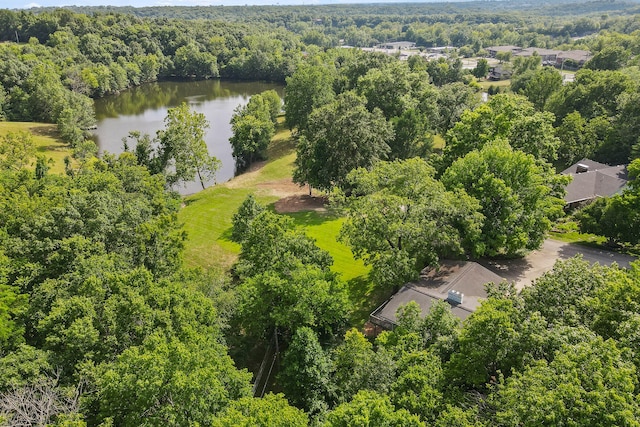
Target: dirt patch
[
  {"x": 301, "y": 202},
  {"x": 283, "y": 188}
]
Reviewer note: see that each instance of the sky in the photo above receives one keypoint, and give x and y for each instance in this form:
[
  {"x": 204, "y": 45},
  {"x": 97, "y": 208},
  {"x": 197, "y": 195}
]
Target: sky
[{"x": 26, "y": 4}]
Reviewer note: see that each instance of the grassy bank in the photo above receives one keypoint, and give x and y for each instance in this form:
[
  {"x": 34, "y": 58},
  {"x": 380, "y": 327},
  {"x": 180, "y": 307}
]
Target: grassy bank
[{"x": 45, "y": 137}]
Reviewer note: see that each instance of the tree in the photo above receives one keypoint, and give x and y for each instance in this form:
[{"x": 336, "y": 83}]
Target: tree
[
  {"x": 537, "y": 85},
  {"x": 564, "y": 295},
  {"x": 592, "y": 94},
  {"x": 400, "y": 219},
  {"x": 339, "y": 137},
  {"x": 444, "y": 70},
  {"x": 369, "y": 409},
  {"x": 284, "y": 302},
  {"x": 586, "y": 383},
  {"x": 42, "y": 403},
  {"x": 617, "y": 217},
  {"x": 189, "y": 61},
  {"x": 387, "y": 88},
  {"x": 13, "y": 305},
  {"x": 418, "y": 386},
  {"x": 486, "y": 343},
  {"x": 453, "y": 99},
  {"x": 482, "y": 69},
  {"x": 310, "y": 87},
  {"x": 273, "y": 101},
  {"x": 515, "y": 195},
  {"x": 611, "y": 57},
  {"x": 440, "y": 329},
  {"x": 253, "y": 129},
  {"x": 580, "y": 138},
  {"x": 272, "y": 410},
  {"x": 183, "y": 151},
  {"x": 272, "y": 243},
  {"x": 504, "y": 116},
  {"x": 522, "y": 64},
  {"x": 305, "y": 373},
  {"x": 412, "y": 137},
  {"x": 354, "y": 367},
  {"x": 166, "y": 382},
  {"x": 247, "y": 211},
  {"x": 17, "y": 150}
]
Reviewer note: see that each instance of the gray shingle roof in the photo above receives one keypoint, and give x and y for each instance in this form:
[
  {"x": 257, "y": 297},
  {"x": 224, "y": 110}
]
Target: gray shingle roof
[
  {"x": 600, "y": 180},
  {"x": 466, "y": 277}
]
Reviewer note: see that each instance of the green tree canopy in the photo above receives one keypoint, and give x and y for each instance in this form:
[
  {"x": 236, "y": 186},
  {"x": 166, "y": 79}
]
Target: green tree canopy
[
  {"x": 400, "y": 219},
  {"x": 183, "y": 151},
  {"x": 515, "y": 195},
  {"x": 310, "y": 87},
  {"x": 339, "y": 137},
  {"x": 272, "y": 410},
  {"x": 506, "y": 116}
]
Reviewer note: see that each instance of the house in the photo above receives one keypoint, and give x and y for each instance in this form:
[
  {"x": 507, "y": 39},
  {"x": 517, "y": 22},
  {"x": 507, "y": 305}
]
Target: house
[
  {"x": 593, "y": 179},
  {"x": 546, "y": 55},
  {"x": 572, "y": 58},
  {"x": 460, "y": 283},
  {"x": 499, "y": 72},
  {"x": 397, "y": 45},
  {"x": 494, "y": 50}
]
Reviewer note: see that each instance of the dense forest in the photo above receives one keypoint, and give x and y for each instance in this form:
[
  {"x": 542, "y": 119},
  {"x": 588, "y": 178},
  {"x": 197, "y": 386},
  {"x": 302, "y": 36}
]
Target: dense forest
[{"x": 102, "y": 323}]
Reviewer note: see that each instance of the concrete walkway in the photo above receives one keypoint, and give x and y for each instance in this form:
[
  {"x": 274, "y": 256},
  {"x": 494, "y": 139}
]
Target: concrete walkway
[{"x": 524, "y": 270}]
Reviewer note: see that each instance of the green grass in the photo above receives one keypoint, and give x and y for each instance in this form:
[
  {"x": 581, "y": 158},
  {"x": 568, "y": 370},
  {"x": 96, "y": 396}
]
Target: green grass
[
  {"x": 46, "y": 139},
  {"x": 500, "y": 83},
  {"x": 324, "y": 227},
  {"x": 207, "y": 220},
  {"x": 568, "y": 231}
]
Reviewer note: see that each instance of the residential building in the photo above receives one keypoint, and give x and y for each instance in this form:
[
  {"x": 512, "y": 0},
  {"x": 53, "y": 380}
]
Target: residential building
[
  {"x": 593, "y": 179},
  {"x": 460, "y": 283}
]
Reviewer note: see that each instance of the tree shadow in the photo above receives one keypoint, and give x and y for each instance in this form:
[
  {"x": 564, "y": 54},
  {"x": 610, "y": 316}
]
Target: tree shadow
[
  {"x": 513, "y": 269},
  {"x": 365, "y": 297},
  {"x": 311, "y": 217},
  {"x": 226, "y": 235}
]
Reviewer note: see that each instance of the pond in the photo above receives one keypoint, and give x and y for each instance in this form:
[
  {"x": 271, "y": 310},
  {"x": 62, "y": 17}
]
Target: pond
[{"x": 144, "y": 109}]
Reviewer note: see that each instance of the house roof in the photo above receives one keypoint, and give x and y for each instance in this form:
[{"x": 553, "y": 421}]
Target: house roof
[
  {"x": 593, "y": 179},
  {"x": 398, "y": 45},
  {"x": 507, "y": 48},
  {"x": 576, "y": 55},
  {"x": 465, "y": 277},
  {"x": 540, "y": 51}
]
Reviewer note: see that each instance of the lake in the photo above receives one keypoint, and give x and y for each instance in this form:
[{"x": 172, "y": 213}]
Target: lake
[{"x": 144, "y": 108}]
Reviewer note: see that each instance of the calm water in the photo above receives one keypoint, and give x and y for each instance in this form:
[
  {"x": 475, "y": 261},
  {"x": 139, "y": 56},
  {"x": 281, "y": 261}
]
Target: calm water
[{"x": 144, "y": 109}]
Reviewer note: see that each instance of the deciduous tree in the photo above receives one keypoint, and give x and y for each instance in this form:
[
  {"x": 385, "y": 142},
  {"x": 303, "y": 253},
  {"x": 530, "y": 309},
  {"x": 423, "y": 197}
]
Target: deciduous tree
[
  {"x": 339, "y": 137},
  {"x": 515, "y": 195},
  {"x": 183, "y": 151}
]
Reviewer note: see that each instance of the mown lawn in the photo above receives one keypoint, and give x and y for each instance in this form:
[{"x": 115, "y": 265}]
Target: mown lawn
[
  {"x": 46, "y": 139},
  {"x": 485, "y": 84},
  {"x": 207, "y": 220}
]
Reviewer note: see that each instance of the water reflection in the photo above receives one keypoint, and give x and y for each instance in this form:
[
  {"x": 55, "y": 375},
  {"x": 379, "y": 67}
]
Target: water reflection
[{"x": 144, "y": 109}]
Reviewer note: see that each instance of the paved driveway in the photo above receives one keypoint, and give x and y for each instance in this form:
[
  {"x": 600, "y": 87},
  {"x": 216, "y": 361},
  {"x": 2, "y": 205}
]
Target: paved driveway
[{"x": 523, "y": 271}]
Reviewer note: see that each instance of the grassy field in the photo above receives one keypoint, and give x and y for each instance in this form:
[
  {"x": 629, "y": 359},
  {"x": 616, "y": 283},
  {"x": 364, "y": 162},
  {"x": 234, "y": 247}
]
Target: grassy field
[
  {"x": 46, "y": 139},
  {"x": 485, "y": 84},
  {"x": 207, "y": 219}
]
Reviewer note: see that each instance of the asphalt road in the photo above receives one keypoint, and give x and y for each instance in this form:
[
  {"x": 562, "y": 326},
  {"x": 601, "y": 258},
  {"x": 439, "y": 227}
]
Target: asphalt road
[{"x": 524, "y": 270}]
